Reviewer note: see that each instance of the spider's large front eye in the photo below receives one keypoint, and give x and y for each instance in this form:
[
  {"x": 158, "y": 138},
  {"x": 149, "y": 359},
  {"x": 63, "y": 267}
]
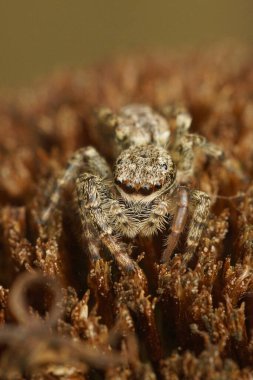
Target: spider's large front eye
[
  {"x": 129, "y": 188},
  {"x": 158, "y": 186},
  {"x": 118, "y": 182},
  {"x": 146, "y": 190}
]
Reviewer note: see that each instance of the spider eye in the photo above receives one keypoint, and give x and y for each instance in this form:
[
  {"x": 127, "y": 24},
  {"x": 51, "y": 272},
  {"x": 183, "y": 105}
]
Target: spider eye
[
  {"x": 145, "y": 190},
  {"x": 164, "y": 166},
  {"x": 118, "y": 182},
  {"x": 129, "y": 188},
  {"x": 158, "y": 186}
]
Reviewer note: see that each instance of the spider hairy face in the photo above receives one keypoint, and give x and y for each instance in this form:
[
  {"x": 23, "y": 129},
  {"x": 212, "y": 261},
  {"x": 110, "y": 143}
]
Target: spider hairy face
[{"x": 144, "y": 172}]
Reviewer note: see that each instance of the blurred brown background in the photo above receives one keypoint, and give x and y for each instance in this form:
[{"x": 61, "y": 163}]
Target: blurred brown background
[{"x": 39, "y": 36}]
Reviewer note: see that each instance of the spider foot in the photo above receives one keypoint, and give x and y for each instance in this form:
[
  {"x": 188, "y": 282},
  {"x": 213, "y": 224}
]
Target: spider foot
[{"x": 188, "y": 257}]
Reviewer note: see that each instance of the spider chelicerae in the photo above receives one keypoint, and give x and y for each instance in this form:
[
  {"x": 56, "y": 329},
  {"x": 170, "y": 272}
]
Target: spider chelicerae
[{"x": 147, "y": 187}]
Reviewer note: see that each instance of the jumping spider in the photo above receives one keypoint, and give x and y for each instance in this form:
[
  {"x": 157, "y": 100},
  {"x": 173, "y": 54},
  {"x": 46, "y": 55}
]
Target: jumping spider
[{"x": 145, "y": 188}]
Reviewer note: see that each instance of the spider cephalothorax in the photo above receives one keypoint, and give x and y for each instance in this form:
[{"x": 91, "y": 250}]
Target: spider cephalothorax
[
  {"x": 139, "y": 125},
  {"x": 144, "y": 190}
]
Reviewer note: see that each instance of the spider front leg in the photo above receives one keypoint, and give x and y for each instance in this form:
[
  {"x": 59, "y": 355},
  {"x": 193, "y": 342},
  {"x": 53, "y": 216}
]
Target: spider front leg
[
  {"x": 178, "y": 223},
  {"x": 95, "y": 207},
  {"x": 200, "y": 204},
  {"x": 86, "y": 158}
]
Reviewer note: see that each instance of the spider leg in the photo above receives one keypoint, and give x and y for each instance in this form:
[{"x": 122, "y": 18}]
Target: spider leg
[
  {"x": 183, "y": 154},
  {"x": 200, "y": 202},
  {"x": 85, "y": 158},
  {"x": 210, "y": 149},
  {"x": 178, "y": 223},
  {"x": 177, "y": 116},
  {"x": 106, "y": 123},
  {"x": 106, "y": 118},
  {"x": 95, "y": 202},
  {"x": 92, "y": 239}
]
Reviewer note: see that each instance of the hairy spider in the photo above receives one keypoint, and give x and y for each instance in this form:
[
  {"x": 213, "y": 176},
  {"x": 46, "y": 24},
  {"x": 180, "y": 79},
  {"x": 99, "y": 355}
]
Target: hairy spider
[{"x": 146, "y": 187}]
